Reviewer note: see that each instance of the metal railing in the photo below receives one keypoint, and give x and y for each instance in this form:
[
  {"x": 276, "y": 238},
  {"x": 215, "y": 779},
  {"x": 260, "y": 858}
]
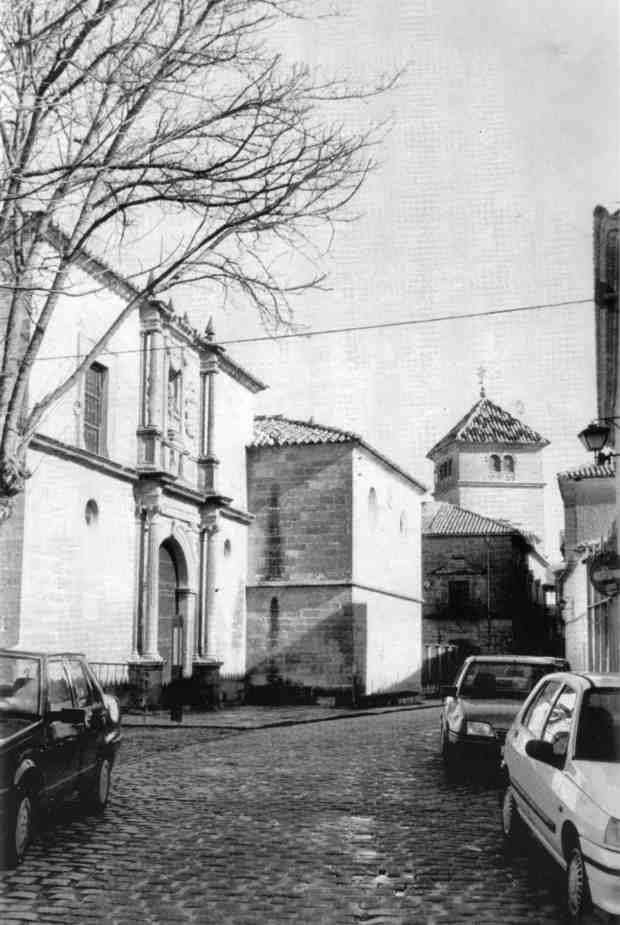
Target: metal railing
[
  {"x": 439, "y": 666},
  {"x": 110, "y": 674}
]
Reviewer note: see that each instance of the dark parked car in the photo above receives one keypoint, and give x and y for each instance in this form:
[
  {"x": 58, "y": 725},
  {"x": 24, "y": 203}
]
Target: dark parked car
[
  {"x": 59, "y": 733},
  {"x": 478, "y": 709}
]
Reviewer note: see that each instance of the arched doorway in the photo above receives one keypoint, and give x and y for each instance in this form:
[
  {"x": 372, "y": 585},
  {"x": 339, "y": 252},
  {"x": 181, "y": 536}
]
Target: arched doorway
[{"x": 170, "y": 622}]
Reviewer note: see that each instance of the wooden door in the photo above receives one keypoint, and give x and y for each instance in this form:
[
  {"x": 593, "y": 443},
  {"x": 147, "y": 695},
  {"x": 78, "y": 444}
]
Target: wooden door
[{"x": 167, "y": 611}]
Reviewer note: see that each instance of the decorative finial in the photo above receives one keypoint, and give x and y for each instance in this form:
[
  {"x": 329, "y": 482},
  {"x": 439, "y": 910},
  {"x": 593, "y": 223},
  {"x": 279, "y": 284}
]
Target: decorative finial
[
  {"x": 481, "y": 374},
  {"x": 210, "y": 330}
]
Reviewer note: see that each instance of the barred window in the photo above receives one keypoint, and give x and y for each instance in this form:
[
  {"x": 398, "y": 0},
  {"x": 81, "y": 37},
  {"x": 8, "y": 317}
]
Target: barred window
[{"x": 95, "y": 402}]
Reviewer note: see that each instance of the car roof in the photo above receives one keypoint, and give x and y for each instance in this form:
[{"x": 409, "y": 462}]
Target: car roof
[
  {"x": 598, "y": 679},
  {"x": 586, "y": 680},
  {"x": 520, "y": 659}
]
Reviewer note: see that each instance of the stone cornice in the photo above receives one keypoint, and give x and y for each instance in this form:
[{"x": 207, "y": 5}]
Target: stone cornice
[
  {"x": 44, "y": 444},
  {"x": 178, "y": 324},
  {"x": 236, "y": 514},
  {"x": 240, "y": 375},
  {"x": 333, "y": 583}
]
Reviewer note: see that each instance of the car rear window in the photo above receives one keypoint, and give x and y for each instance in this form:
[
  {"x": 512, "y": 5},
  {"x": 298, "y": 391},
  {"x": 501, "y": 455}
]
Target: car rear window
[
  {"x": 598, "y": 737},
  {"x": 509, "y": 679}
]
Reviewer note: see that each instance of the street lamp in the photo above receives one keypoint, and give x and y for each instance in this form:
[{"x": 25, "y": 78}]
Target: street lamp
[{"x": 595, "y": 436}]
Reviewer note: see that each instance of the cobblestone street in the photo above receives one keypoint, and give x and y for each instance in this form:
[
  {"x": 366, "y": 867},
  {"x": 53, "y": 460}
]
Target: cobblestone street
[{"x": 350, "y": 821}]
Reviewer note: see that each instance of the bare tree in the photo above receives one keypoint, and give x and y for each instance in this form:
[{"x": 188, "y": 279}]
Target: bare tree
[{"x": 115, "y": 113}]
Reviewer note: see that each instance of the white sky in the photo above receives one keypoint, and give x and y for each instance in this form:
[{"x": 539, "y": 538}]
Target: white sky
[{"x": 505, "y": 137}]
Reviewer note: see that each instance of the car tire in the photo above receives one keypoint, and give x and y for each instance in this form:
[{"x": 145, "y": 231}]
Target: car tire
[
  {"x": 96, "y": 795},
  {"x": 512, "y": 824},
  {"x": 20, "y": 828},
  {"x": 448, "y": 752},
  {"x": 578, "y": 900}
]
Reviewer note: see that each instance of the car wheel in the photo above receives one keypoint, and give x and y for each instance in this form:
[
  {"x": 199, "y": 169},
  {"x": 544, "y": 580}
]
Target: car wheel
[
  {"x": 444, "y": 746},
  {"x": 98, "y": 792},
  {"x": 20, "y": 828},
  {"x": 512, "y": 826},
  {"x": 577, "y": 889},
  {"x": 448, "y": 752}
]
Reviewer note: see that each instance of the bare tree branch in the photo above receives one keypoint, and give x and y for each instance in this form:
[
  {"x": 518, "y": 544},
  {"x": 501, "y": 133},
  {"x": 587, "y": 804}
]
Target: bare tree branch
[{"x": 116, "y": 115}]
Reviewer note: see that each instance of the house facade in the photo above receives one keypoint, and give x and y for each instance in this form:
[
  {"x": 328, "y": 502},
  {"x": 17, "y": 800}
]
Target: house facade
[
  {"x": 486, "y": 587},
  {"x": 589, "y": 498},
  {"x": 334, "y": 581},
  {"x": 130, "y": 540},
  {"x": 594, "y": 625}
]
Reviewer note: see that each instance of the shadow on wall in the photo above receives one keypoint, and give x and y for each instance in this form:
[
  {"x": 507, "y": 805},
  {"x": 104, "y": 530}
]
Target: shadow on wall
[
  {"x": 316, "y": 666},
  {"x": 320, "y": 656}
]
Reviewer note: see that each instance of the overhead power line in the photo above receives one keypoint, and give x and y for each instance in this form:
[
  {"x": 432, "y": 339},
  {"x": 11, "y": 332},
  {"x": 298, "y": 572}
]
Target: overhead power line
[
  {"x": 433, "y": 319},
  {"x": 379, "y": 325}
]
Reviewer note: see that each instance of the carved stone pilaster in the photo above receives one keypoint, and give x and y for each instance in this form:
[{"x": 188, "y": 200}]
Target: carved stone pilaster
[{"x": 208, "y": 609}]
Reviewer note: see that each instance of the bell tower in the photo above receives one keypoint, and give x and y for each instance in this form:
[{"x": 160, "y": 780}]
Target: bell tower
[{"x": 491, "y": 463}]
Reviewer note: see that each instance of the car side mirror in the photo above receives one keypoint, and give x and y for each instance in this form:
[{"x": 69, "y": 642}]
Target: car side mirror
[
  {"x": 447, "y": 690},
  {"x": 541, "y": 751}
]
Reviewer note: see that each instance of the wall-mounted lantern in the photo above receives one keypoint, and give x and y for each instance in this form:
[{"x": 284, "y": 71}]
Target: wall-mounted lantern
[{"x": 595, "y": 436}]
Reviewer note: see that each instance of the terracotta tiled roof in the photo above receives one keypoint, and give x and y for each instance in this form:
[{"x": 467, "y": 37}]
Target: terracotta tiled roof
[
  {"x": 604, "y": 471},
  {"x": 276, "y": 430},
  {"x": 439, "y": 518},
  {"x": 486, "y": 422}
]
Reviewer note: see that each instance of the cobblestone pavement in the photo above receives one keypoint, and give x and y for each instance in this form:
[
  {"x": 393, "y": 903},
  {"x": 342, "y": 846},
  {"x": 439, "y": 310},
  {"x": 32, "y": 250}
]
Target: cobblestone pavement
[{"x": 339, "y": 822}]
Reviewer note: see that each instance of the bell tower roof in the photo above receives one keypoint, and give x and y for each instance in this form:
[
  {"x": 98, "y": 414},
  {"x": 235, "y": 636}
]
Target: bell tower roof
[{"x": 487, "y": 423}]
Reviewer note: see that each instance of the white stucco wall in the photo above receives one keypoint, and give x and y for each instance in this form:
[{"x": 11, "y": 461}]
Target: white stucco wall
[
  {"x": 387, "y": 541},
  {"x": 78, "y": 579},
  {"x": 233, "y": 432},
  {"x": 231, "y": 569},
  {"x": 394, "y": 642},
  {"x": 575, "y": 593},
  {"x": 78, "y": 321}
]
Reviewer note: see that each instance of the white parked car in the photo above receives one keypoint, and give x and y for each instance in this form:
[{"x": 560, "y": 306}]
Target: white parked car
[{"x": 562, "y": 756}]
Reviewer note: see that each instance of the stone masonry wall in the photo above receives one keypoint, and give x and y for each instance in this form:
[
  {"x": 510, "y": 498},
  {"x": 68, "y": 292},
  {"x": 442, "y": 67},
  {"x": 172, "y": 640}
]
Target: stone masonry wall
[
  {"x": 301, "y": 499},
  {"x": 448, "y": 553},
  {"x": 300, "y": 635}
]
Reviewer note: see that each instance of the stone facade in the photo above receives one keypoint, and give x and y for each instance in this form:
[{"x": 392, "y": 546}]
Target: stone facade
[
  {"x": 486, "y": 592},
  {"x": 589, "y": 497},
  {"x": 334, "y": 580},
  {"x": 134, "y": 519}
]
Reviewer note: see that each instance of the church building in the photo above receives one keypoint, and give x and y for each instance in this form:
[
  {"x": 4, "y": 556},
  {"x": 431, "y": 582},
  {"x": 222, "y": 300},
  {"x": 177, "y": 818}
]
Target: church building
[{"x": 129, "y": 542}]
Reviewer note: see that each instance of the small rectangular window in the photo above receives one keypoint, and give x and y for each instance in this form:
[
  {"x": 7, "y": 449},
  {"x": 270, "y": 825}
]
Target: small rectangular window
[
  {"x": 458, "y": 594},
  {"x": 95, "y": 407}
]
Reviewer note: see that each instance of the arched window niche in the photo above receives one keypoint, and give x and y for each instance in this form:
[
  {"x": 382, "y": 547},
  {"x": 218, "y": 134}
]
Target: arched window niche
[{"x": 373, "y": 508}]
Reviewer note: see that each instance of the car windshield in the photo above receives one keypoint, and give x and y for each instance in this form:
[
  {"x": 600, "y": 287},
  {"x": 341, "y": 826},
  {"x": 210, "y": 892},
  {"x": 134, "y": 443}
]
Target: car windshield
[
  {"x": 19, "y": 685},
  {"x": 511, "y": 680},
  {"x": 598, "y": 737}
]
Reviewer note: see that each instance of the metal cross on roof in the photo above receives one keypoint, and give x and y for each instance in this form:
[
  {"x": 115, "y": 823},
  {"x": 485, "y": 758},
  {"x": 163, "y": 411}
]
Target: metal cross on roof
[{"x": 481, "y": 374}]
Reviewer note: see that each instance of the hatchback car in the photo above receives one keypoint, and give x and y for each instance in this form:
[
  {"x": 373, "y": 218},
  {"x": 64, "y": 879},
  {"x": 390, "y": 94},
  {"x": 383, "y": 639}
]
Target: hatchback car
[
  {"x": 478, "y": 709},
  {"x": 562, "y": 755},
  {"x": 59, "y": 733}
]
